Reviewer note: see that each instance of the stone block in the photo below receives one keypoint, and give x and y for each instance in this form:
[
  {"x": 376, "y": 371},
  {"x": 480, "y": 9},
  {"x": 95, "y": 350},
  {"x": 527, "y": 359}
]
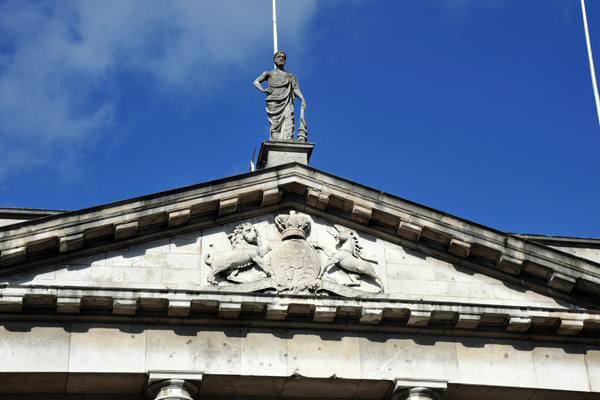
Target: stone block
[
  {"x": 13, "y": 256},
  {"x": 179, "y": 308},
  {"x": 125, "y": 306},
  {"x": 137, "y": 275},
  {"x": 40, "y": 300},
  {"x": 371, "y": 316},
  {"x": 106, "y": 348},
  {"x": 46, "y": 382},
  {"x": 98, "y": 232},
  {"x": 459, "y": 248},
  {"x": 324, "y": 314},
  {"x": 70, "y": 243},
  {"x": 384, "y": 357},
  {"x": 140, "y": 259},
  {"x": 320, "y": 388},
  {"x": 222, "y": 385},
  {"x": 28, "y": 347},
  {"x": 493, "y": 318},
  {"x": 554, "y": 364},
  {"x": 190, "y": 348},
  {"x": 276, "y": 311},
  {"x": 495, "y": 362},
  {"x": 419, "y": 318},
  {"x": 228, "y": 206},
  {"x": 317, "y": 199},
  {"x": 184, "y": 261},
  {"x": 124, "y": 231},
  {"x": 518, "y": 324},
  {"x": 96, "y": 301},
  {"x": 178, "y": 218},
  {"x": 181, "y": 276},
  {"x": 570, "y": 327},
  {"x": 561, "y": 282},
  {"x": 270, "y": 196},
  {"x": 153, "y": 303},
  {"x": 42, "y": 244},
  {"x": 510, "y": 265},
  {"x": 537, "y": 269},
  {"x": 185, "y": 245},
  {"x": 592, "y": 362},
  {"x": 323, "y": 355},
  {"x": 264, "y": 353},
  {"x": 263, "y": 386},
  {"x": 74, "y": 273},
  {"x": 105, "y": 382},
  {"x": 229, "y": 310},
  {"x": 361, "y": 213},
  {"x": 274, "y": 153},
  {"x": 372, "y": 389},
  {"x": 436, "y": 235},
  {"x": 11, "y": 303},
  {"x": 68, "y": 305},
  {"x": 467, "y": 321},
  {"x": 152, "y": 219},
  {"x": 409, "y": 231}
]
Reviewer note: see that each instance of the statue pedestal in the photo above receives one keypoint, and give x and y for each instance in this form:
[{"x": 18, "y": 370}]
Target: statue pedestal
[{"x": 273, "y": 153}]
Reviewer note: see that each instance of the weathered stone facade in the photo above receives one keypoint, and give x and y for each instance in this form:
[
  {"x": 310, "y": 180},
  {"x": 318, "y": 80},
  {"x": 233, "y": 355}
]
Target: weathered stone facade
[{"x": 289, "y": 282}]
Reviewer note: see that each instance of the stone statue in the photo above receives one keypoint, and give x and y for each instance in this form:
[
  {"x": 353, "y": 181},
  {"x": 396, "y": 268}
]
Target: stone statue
[
  {"x": 282, "y": 89},
  {"x": 247, "y": 249},
  {"x": 348, "y": 257}
]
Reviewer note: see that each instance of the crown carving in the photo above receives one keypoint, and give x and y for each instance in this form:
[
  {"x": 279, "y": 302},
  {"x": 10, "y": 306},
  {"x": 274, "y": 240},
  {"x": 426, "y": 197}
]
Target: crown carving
[{"x": 293, "y": 225}]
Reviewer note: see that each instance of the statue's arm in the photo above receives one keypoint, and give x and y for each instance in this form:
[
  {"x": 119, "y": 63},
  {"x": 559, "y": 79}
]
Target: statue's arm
[
  {"x": 299, "y": 95},
  {"x": 257, "y": 82}
]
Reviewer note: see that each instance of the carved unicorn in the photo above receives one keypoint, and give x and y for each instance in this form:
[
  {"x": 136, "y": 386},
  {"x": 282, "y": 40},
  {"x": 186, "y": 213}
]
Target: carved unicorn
[{"x": 348, "y": 257}]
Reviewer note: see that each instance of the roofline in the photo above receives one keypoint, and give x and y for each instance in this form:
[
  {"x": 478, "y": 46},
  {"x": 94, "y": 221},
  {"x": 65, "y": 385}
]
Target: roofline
[
  {"x": 28, "y": 213},
  {"x": 564, "y": 241}
]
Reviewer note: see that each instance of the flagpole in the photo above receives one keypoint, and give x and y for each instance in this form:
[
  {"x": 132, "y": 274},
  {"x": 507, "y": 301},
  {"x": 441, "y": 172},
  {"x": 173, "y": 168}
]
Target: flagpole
[
  {"x": 274, "y": 28},
  {"x": 589, "y": 48}
]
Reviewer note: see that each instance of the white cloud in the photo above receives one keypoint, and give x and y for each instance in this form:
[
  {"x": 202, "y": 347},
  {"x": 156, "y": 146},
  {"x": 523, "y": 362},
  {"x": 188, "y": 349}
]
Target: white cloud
[{"x": 54, "y": 55}]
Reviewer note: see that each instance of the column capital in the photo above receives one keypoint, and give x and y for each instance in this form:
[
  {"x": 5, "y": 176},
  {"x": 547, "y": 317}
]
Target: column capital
[
  {"x": 418, "y": 389},
  {"x": 173, "y": 385}
]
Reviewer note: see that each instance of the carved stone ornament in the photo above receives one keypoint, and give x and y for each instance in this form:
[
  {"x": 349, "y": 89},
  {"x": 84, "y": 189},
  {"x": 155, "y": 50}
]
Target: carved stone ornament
[
  {"x": 247, "y": 251},
  {"x": 293, "y": 265},
  {"x": 296, "y": 265},
  {"x": 348, "y": 258}
]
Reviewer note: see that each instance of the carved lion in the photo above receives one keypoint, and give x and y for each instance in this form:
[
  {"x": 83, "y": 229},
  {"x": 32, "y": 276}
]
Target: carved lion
[{"x": 247, "y": 248}]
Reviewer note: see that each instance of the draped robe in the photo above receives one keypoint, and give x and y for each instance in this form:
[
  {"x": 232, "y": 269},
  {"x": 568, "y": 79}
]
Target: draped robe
[{"x": 280, "y": 104}]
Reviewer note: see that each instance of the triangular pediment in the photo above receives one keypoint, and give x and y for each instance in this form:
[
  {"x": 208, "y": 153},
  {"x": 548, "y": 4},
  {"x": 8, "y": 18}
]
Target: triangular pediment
[
  {"x": 182, "y": 261},
  {"x": 415, "y": 264}
]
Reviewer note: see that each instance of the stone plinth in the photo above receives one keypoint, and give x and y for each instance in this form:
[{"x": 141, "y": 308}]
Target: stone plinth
[{"x": 273, "y": 153}]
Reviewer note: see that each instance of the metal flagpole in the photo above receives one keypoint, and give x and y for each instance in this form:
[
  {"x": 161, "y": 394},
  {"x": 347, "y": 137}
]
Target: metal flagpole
[
  {"x": 274, "y": 28},
  {"x": 589, "y": 47}
]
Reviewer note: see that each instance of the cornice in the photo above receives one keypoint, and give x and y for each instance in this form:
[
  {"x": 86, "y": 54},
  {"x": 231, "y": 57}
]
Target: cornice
[{"x": 375, "y": 313}]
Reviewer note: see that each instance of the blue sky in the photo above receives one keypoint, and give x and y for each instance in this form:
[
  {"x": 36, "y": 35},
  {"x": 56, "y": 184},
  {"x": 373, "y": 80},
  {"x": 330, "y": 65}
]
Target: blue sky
[{"x": 480, "y": 108}]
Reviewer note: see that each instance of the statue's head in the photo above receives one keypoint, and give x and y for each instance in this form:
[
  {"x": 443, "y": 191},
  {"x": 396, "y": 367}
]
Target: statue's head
[
  {"x": 279, "y": 58},
  {"x": 244, "y": 232},
  {"x": 279, "y": 53}
]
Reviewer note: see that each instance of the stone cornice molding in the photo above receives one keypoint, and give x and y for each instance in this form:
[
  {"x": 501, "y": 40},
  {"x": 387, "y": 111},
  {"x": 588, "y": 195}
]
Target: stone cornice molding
[
  {"x": 368, "y": 314},
  {"x": 506, "y": 256}
]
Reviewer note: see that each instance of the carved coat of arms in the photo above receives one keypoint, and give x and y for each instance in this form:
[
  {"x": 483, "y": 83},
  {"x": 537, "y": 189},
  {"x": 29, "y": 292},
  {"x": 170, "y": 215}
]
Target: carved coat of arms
[{"x": 291, "y": 265}]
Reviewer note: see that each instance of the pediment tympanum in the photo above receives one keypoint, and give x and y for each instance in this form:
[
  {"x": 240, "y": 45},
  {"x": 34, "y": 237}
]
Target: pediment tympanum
[{"x": 284, "y": 253}]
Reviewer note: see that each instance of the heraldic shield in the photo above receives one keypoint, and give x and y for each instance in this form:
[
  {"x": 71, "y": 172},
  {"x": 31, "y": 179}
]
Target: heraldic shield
[{"x": 295, "y": 266}]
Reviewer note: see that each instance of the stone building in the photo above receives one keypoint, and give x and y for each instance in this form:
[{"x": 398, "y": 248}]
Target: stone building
[{"x": 289, "y": 282}]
